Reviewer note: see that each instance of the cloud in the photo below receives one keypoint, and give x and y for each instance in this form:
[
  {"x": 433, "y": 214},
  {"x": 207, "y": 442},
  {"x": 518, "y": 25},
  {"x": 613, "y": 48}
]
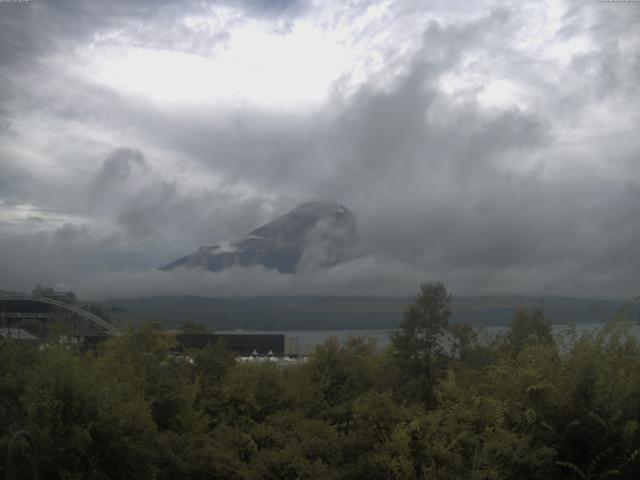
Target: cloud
[
  {"x": 33, "y": 29},
  {"x": 493, "y": 148},
  {"x": 369, "y": 275},
  {"x": 364, "y": 276},
  {"x": 118, "y": 168},
  {"x": 14, "y": 182},
  {"x": 270, "y": 7}
]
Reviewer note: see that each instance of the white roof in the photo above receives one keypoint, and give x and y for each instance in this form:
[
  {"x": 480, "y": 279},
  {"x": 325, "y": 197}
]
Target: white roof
[{"x": 16, "y": 333}]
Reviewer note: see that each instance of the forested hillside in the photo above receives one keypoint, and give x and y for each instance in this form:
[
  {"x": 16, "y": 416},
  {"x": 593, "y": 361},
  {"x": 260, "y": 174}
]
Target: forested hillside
[
  {"x": 339, "y": 313},
  {"x": 526, "y": 405}
]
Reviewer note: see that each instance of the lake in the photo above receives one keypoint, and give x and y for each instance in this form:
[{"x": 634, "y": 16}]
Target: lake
[{"x": 307, "y": 340}]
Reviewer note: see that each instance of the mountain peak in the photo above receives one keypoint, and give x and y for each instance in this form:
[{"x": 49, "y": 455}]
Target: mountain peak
[{"x": 312, "y": 235}]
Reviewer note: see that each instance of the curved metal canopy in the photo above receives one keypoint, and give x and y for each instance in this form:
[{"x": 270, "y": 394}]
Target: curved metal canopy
[{"x": 66, "y": 306}]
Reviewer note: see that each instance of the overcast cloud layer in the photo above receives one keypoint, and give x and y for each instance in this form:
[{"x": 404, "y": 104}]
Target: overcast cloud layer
[{"x": 491, "y": 145}]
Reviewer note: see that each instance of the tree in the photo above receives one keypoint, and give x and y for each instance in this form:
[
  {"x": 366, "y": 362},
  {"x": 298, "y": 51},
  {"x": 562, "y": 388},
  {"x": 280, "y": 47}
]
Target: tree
[
  {"x": 189, "y": 326},
  {"x": 416, "y": 343},
  {"x": 463, "y": 340},
  {"x": 528, "y": 327},
  {"x": 338, "y": 374}
]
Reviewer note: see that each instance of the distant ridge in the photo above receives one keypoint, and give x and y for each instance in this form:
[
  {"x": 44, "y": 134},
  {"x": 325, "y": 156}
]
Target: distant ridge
[{"x": 355, "y": 312}]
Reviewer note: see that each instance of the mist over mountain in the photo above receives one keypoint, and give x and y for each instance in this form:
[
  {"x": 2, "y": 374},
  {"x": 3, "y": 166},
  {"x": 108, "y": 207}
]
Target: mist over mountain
[
  {"x": 312, "y": 235},
  {"x": 490, "y": 145}
]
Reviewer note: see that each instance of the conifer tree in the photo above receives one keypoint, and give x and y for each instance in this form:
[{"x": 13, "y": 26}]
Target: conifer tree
[{"x": 417, "y": 341}]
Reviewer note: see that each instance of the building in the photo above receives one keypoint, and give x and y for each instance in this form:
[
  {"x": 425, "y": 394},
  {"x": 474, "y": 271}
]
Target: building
[
  {"x": 16, "y": 334},
  {"x": 242, "y": 344}
]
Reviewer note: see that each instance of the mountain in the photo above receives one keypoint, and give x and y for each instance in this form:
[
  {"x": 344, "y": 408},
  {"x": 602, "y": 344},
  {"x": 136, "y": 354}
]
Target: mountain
[{"x": 312, "y": 235}]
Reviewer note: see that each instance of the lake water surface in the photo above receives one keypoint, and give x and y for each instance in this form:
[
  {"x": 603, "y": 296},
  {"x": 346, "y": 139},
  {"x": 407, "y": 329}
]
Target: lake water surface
[{"x": 307, "y": 340}]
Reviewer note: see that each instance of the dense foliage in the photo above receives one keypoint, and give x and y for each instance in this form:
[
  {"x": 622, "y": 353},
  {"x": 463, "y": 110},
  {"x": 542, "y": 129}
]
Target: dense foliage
[{"x": 438, "y": 403}]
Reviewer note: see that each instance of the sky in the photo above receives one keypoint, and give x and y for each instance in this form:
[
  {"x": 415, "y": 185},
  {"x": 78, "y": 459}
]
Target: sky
[{"x": 491, "y": 145}]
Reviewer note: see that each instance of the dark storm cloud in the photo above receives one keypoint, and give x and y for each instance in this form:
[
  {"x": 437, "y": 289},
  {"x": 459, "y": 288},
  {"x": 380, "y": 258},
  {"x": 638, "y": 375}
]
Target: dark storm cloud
[
  {"x": 6, "y": 127},
  {"x": 184, "y": 219},
  {"x": 29, "y": 30},
  {"x": 269, "y": 7},
  {"x": 155, "y": 214},
  {"x": 14, "y": 181},
  {"x": 373, "y": 137},
  {"x": 45, "y": 256},
  {"x": 445, "y": 187},
  {"x": 32, "y": 29},
  {"x": 425, "y": 175},
  {"x": 612, "y": 69},
  {"x": 118, "y": 167}
]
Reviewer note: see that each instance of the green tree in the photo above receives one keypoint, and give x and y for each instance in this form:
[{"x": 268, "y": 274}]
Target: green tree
[
  {"x": 417, "y": 342},
  {"x": 210, "y": 366},
  {"x": 189, "y": 326},
  {"x": 290, "y": 446},
  {"x": 528, "y": 327},
  {"x": 339, "y": 374},
  {"x": 463, "y": 340},
  {"x": 86, "y": 426}
]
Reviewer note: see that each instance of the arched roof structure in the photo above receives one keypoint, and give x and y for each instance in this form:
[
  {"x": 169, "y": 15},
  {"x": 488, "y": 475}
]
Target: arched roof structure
[{"x": 110, "y": 329}]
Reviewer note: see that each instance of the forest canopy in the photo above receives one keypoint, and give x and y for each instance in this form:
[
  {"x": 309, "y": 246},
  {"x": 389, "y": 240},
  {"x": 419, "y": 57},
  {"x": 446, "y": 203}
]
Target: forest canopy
[{"x": 442, "y": 401}]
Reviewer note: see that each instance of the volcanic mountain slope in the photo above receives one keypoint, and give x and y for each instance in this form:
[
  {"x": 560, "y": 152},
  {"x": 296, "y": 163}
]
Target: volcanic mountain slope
[{"x": 315, "y": 234}]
